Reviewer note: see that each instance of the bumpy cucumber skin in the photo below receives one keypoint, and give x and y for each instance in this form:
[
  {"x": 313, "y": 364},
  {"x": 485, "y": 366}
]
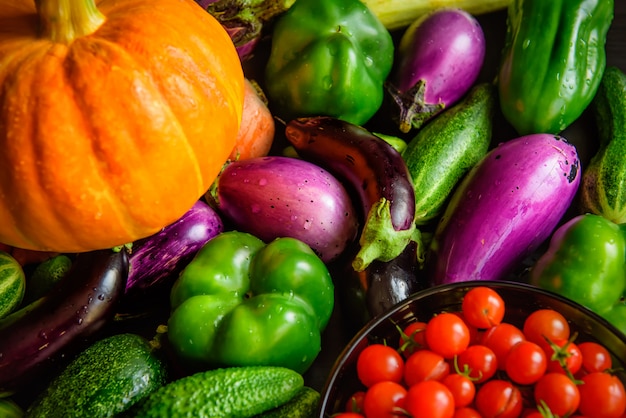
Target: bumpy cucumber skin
[
  {"x": 12, "y": 284},
  {"x": 303, "y": 405},
  {"x": 106, "y": 379},
  {"x": 234, "y": 392},
  {"x": 603, "y": 184},
  {"x": 444, "y": 150}
]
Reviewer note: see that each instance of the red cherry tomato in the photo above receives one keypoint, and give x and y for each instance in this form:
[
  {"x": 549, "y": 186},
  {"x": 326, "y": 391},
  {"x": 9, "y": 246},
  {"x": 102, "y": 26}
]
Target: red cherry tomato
[
  {"x": 500, "y": 339},
  {"x": 499, "y": 399},
  {"x": 479, "y": 362},
  {"x": 482, "y": 307},
  {"x": 430, "y": 399},
  {"x": 595, "y": 357},
  {"x": 602, "y": 395},
  {"x": 447, "y": 334},
  {"x": 348, "y": 415},
  {"x": 462, "y": 388},
  {"x": 425, "y": 365},
  {"x": 355, "y": 402},
  {"x": 379, "y": 362},
  {"x": 546, "y": 323},
  {"x": 526, "y": 363},
  {"x": 412, "y": 338},
  {"x": 466, "y": 412},
  {"x": 385, "y": 400},
  {"x": 559, "y": 393},
  {"x": 563, "y": 356}
]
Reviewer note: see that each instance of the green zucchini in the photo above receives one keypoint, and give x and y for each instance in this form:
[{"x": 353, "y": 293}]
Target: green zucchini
[
  {"x": 233, "y": 392},
  {"x": 304, "y": 404},
  {"x": 12, "y": 284},
  {"x": 445, "y": 149},
  {"x": 603, "y": 184},
  {"x": 106, "y": 379}
]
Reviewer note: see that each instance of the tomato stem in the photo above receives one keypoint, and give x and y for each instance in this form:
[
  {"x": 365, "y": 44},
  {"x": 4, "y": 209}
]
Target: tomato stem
[{"x": 65, "y": 20}]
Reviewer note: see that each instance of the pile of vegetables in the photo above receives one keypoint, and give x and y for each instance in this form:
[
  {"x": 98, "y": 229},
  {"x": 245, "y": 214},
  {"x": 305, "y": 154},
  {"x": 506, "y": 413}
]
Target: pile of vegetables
[{"x": 236, "y": 173}]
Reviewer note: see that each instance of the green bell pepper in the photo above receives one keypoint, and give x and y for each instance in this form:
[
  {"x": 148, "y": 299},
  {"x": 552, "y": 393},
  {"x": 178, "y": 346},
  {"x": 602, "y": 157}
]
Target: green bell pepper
[
  {"x": 553, "y": 60},
  {"x": 586, "y": 262},
  {"x": 328, "y": 57},
  {"x": 241, "y": 302}
]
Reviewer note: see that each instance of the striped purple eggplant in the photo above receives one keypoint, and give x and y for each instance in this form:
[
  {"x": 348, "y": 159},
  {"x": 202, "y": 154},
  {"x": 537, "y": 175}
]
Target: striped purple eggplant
[{"x": 160, "y": 257}]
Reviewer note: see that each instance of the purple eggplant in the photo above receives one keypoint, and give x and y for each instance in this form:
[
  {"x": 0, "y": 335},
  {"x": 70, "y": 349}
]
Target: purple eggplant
[
  {"x": 157, "y": 259},
  {"x": 374, "y": 170},
  {"x": 78, "y": 306},
  {"x": 244, "y": 19},
  {"x": 277, "y": 196},
  {"x": 505, "y": 207},
  {"x": 439, "y": 58}
]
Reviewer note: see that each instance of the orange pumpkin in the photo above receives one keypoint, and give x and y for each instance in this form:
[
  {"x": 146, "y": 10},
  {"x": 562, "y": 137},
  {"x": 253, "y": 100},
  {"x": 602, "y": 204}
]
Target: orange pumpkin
[{"x": 115, "y": 117}]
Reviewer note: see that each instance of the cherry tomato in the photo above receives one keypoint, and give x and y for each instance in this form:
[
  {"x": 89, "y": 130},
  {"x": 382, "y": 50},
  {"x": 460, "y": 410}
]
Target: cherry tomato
[
  {"x": 412, "y": 338},
  {"x": 379, "y": 362},
  {"x": 479, "y": 362},
  {"x": 431, "y": 399},
  {"x": 447, "y": 334},
  {"x": 595, "y": 357},
  {"x": 466, "y": 412},
  {"x": 355, "y": 402},
  {"x": 545, "y": 323},
  {"x": 498, "y": 398},
  {"x": 462, "y": 388},
  {"x": 482, "y": 307},
  {"x": 425, "y": 365},
  {"x": 563, "y": 356},
  {"x": 559, "y": 393},
  {"x": 526, "y": 363},
  {"x": 348, "y": 415},
  {"x": 602, "y": 395},
  {"x": 500, "y": 339},
  {"x": 385, "y": 400}
]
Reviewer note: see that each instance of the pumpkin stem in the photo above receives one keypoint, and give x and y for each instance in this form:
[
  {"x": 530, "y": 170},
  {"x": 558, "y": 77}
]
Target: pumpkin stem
[{"x": 65, "y": 20}]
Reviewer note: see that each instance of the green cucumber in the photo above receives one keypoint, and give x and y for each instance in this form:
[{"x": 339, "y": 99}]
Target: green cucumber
[
  {"x": 446, "y": 148},
  {"x": 603, "y": 184},
  {"x": 304, "y": 404},
  {"x": 46, "y": 275},
  {"x": 12, "y": 284},
  {"x": 233, "y": 392},
  {"x": 107, "y": 378}
]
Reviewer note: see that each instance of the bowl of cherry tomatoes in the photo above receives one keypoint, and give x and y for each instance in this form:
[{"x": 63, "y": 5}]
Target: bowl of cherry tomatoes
[{"x": 481, "y": 349}]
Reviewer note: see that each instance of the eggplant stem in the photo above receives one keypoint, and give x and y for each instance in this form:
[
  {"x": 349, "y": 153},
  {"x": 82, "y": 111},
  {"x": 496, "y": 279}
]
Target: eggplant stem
[{"x": 412, "y": 106}]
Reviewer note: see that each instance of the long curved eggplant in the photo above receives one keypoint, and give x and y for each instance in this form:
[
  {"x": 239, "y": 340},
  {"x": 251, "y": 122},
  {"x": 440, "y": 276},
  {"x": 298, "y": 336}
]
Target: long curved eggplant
[
  {"x": 79, "y": 305},
  {"x": 505, "y": 207},
  {"x": 380, "y": 286},
  {"x": 374, "y": 170},
  {"x": 156, "y": 259}
]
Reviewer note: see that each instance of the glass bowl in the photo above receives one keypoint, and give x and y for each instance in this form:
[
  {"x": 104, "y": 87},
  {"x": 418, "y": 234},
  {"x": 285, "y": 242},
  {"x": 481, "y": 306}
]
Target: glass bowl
[{"x": 520, "y": 300}]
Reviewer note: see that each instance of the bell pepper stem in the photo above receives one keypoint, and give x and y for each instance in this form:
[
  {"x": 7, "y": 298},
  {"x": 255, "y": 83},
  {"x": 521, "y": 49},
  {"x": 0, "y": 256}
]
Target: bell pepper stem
[{"x": 65, "y": 20}]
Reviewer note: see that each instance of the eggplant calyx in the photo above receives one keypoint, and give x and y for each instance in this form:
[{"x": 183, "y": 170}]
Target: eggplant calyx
[
  {"x": 244, "y": 19},
  {"x": 412, "y": 106},
  {"x": 380, "y": 240}
]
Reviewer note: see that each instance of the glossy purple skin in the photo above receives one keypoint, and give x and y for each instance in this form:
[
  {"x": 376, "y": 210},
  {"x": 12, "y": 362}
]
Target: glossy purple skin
[
  {"x": 277, "y": 196},
  {"x": 446, "y": 49},
  {"x": 504, "y": 209},
  {"x": 159, "y": 257}
]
